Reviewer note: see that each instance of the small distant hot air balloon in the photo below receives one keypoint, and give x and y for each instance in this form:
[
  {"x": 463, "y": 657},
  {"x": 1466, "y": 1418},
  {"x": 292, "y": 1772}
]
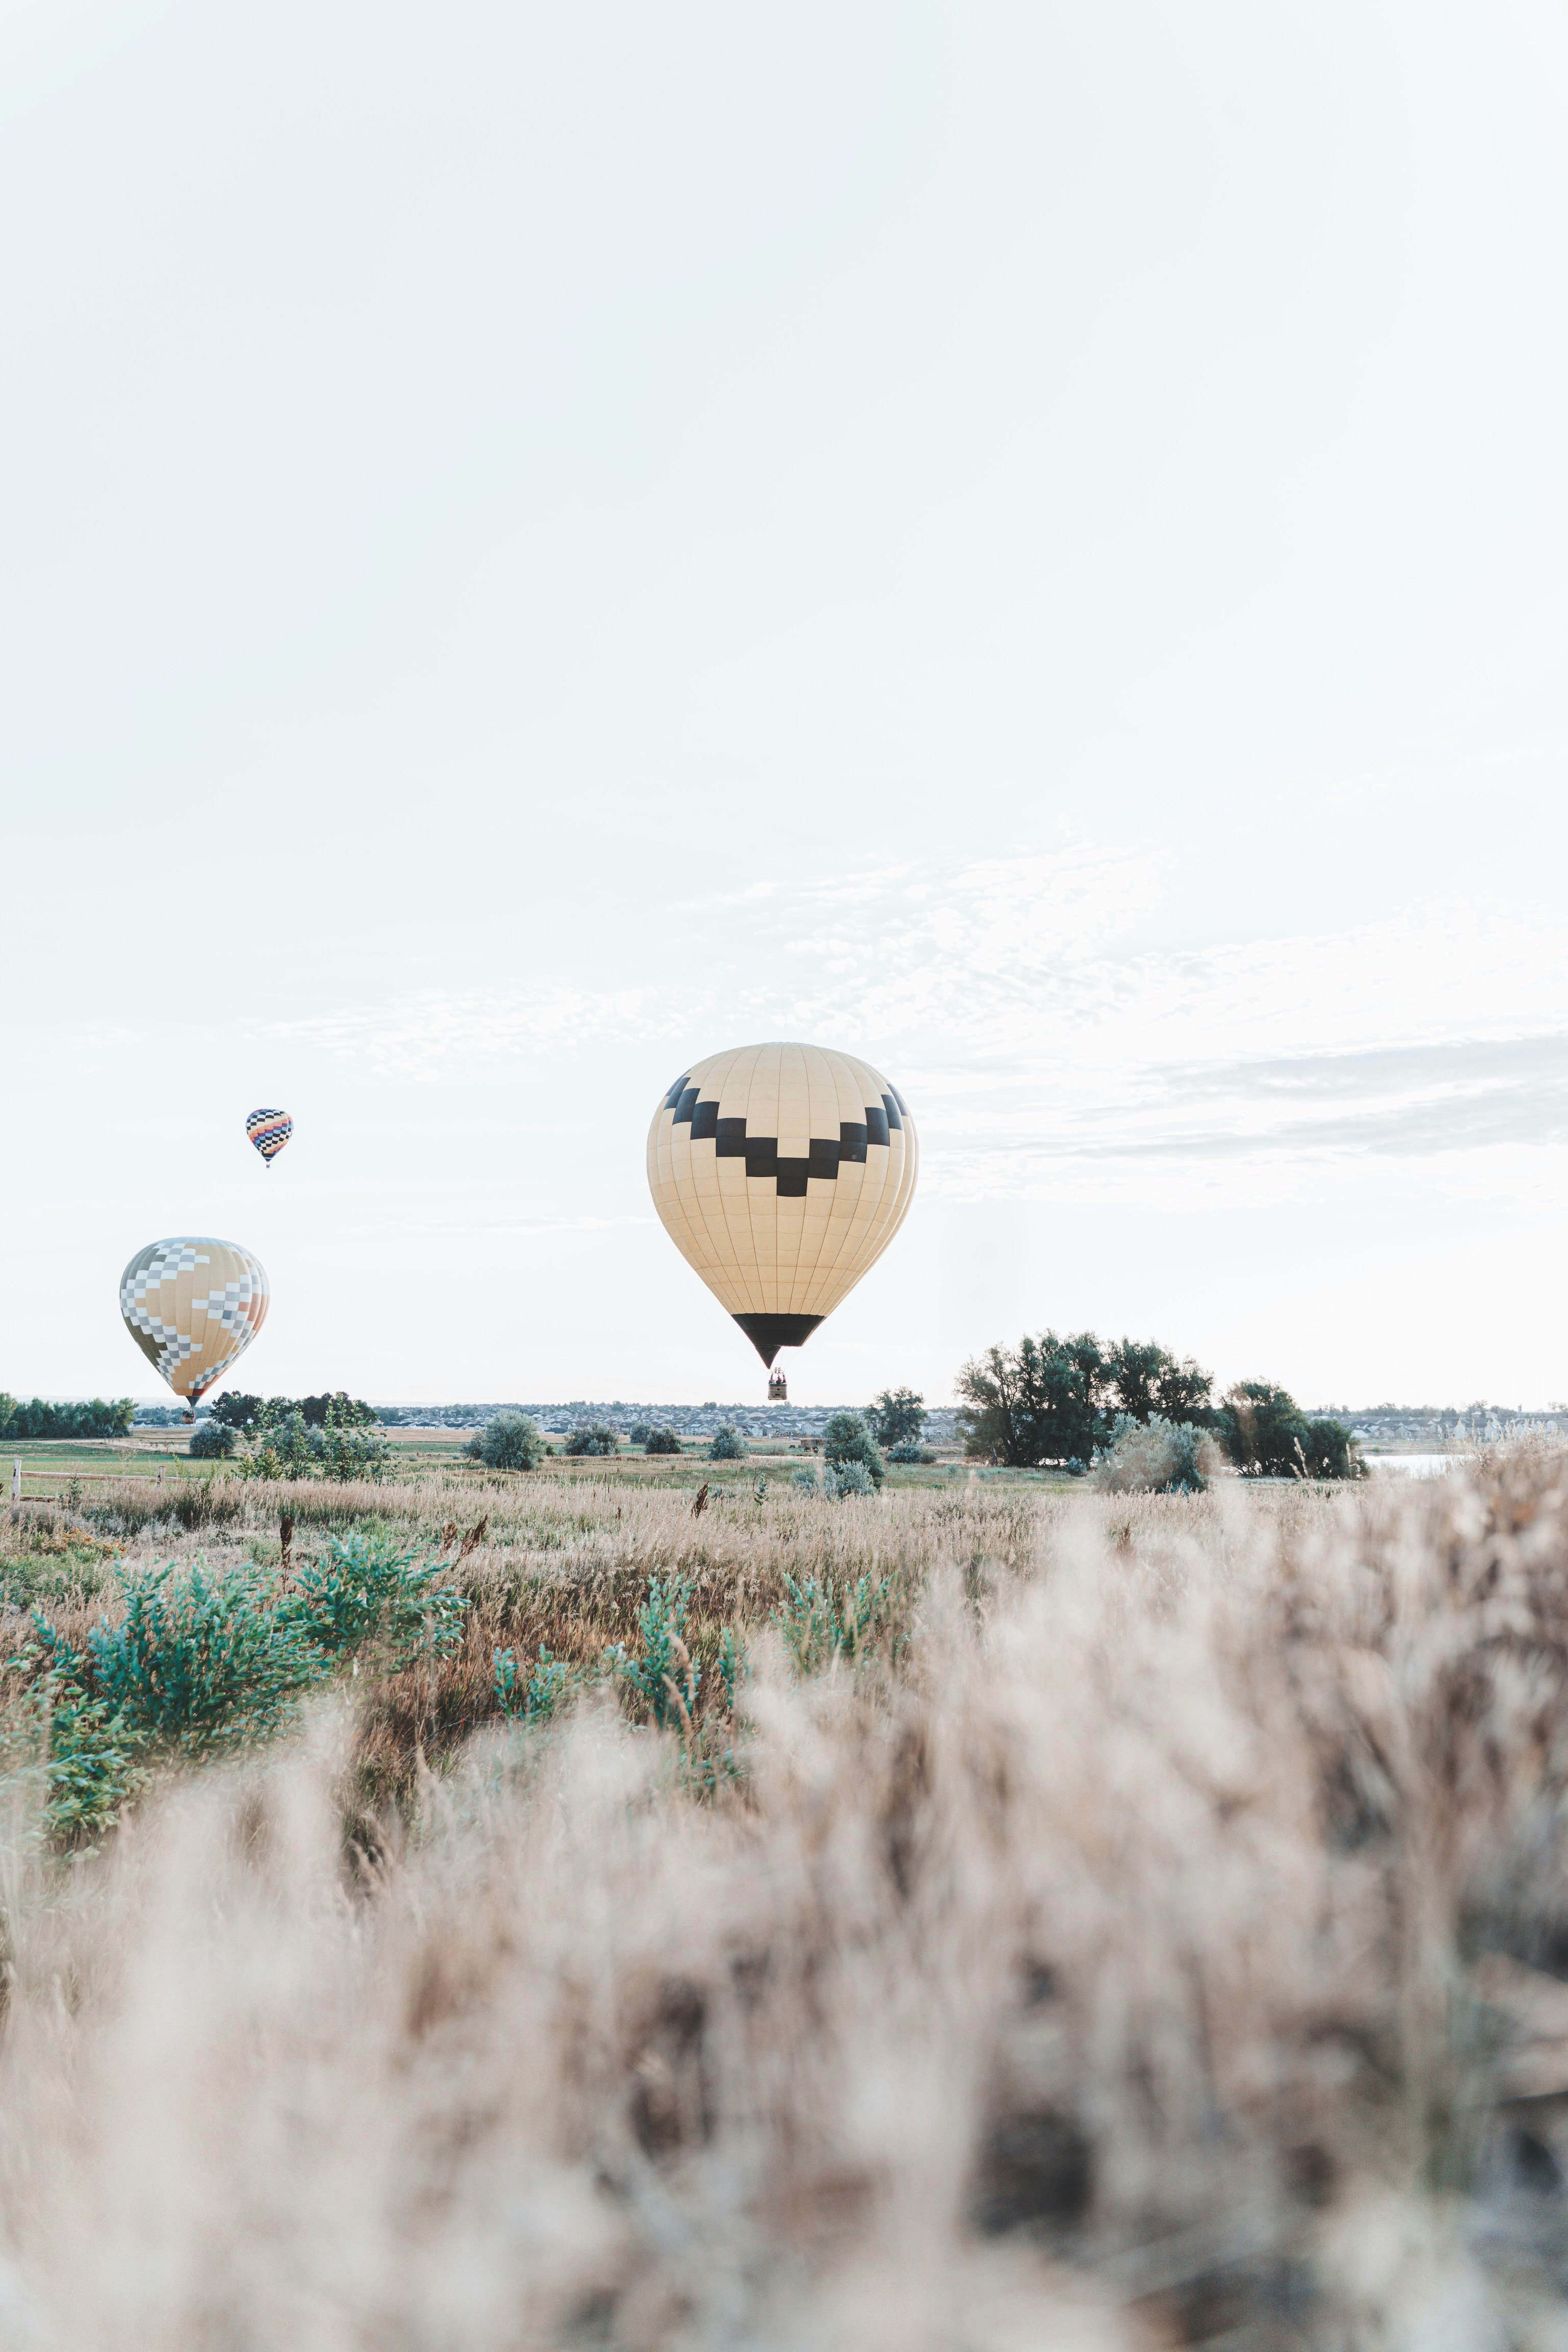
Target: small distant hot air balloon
[
  {"x": 270, "y": 1130},
  {"x": 782, "y": 1173},
  {"x": 192, "y": 1306}
]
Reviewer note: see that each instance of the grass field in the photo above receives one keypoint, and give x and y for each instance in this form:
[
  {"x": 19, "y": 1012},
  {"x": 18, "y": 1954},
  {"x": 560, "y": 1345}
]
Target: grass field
[
  {"x": 51, "y": 1465},
  {"x": 1001, "y": 1918}
]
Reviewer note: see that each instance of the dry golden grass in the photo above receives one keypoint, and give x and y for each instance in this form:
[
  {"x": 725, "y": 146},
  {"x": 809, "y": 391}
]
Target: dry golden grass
[{"x": 1167, "y": 1947}]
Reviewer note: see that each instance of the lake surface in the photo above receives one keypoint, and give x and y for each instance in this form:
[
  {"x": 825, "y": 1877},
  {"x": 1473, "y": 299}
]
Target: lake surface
[{"x": 1416, "y": 1465}]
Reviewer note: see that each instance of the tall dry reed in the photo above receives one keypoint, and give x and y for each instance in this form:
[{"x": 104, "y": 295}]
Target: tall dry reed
[{"x": 1166, "y": 1947}]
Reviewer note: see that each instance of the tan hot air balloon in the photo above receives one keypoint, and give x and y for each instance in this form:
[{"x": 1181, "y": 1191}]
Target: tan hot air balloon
[
  {"x": 192, "y": 1306},
  {"x": 782, "y": 1173}
]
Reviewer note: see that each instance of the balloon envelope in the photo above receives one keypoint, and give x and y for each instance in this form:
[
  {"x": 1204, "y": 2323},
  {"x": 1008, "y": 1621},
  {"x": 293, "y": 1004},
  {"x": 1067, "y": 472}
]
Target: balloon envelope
[
  {"x": 270, "y": 1130},
  {"x": 780, "y": 1173},
  {"x": 192, "y": 1306}
]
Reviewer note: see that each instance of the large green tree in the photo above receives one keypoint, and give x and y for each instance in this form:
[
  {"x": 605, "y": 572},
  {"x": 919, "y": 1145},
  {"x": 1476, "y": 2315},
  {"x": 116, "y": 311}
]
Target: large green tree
[
  {"x": 898, "y": 1417},
  {"x": 1153, "y": 1384},
  {"x": 1266, "y": 1432},
  {"x": 1045, "y": 1400}
]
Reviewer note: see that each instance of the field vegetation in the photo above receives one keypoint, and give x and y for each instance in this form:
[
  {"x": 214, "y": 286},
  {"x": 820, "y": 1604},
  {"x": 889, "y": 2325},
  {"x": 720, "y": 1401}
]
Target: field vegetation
[{"x": 549, "y": 1908}]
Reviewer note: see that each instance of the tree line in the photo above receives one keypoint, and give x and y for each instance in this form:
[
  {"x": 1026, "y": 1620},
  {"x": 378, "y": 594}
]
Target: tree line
[
  {"x": 99, "y": 1417},
  {"x": 1065, "y": 1400}
]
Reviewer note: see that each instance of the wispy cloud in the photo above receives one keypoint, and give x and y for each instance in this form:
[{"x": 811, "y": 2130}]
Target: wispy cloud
[{"x": 1048, "y": 1047}]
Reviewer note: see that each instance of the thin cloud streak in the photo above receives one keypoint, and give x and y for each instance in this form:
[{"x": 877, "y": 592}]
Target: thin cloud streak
[{"x": 1045, "y": 1047}]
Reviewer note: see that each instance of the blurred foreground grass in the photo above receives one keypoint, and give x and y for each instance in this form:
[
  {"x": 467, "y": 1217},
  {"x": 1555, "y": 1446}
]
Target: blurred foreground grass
[{"x": 984, "y": 1916}]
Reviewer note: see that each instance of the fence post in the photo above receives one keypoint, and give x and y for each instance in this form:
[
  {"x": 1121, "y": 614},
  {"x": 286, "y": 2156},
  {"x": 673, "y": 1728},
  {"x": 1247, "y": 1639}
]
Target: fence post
[{"x": 16, "y": 1481}]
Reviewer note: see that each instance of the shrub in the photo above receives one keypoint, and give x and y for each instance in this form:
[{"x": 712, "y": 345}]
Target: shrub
[
  {"x": 846, "y": 1442},
  {"x": 817, "y": 1627},
  {"x": 214, "y": 1441},
  {"x": 728, "y": 1445},
  {"x": 661, "y": 1441},
  {"x": 591, "y": 1437},
  {"x": 842, "y": 1479},
  {"x": 368, "y": 1590},
  {"x": 351, "y": 1451},
  {"x": 510, "y": 1441},
  {"x": 545, "y": 1692},
  {"x": 807, "y": 1480},
  {"x": 205, "y": 1660},
  {"x": 287, "y": 1445},
  {"x": 1156, "y": 1457},
  {"x": 664, "y": 1679},
  {"x": 199, "y": 1659},
  {"x": 913, "y": 1452}
]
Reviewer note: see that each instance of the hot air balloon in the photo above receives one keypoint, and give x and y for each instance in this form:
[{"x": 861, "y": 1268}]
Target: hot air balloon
[
  {"x": 270, "y": 1130},
  {"x": 782, "y": 1173},
  {"x": 192, "y": 1306}
]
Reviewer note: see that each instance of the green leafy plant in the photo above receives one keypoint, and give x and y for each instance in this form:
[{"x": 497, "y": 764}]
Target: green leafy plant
[
  {"x": 85, "y": 1754},
  {"x": 365, "y": 1591},
  {"x": 733, "y": 1664},
  {"x": 545, "y": 1692},
  {"x": 664, "y": 1679},
  {"x": 198, "y": 1660},
  {"x": 728, "y": 1445},
  {"x": 202, "y": 1660},
  {"x": 213, "y": 1441},
  {"x": 819, "y": 1626},
  {"x": 661, "y": 1441}
]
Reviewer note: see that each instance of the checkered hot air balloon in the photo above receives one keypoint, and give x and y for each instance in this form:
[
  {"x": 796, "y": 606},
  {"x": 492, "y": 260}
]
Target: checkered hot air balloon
[
  {"x": 192, "y": 1306},
  {"x": 270, "y": 1130},
  {"x": 780, "y": 1173}
]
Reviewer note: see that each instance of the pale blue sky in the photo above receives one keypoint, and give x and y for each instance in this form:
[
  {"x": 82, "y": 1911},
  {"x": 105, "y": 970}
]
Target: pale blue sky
[{"x": 1024, "y": 541}]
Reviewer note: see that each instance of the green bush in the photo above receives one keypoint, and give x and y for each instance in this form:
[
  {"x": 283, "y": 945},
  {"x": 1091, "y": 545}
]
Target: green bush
[
  {"x": 1156, "y": 1457},
  {"x": 510, "y": 1441},
  {"x": 591, "y": 1437},
  {"x": 351, "y": 1452},
  {"x": 913, "y": 1452},
  {"x": 366, "y": 1590},
  {"x": 344, "y": 1447},
  {"x": 198, "y": 1660},
  {"x": 842, "y": 1479},
  {"x": 661, "y": 1441},
  {"x": 846, "y": 1440},
  {"x": 211, "y": 1441},
  {"x": 664, "y": 1679},
  {"x": 728, "y": 1445},
  {"x": 205, "y": 1660},
  {"x": 544, "y": 1694},
  {"x": 818, "y": 1626}
]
